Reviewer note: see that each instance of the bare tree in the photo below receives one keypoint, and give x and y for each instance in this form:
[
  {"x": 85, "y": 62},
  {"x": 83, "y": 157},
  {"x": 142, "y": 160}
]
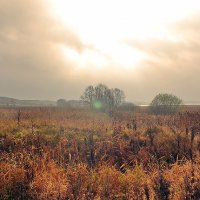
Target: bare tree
[
  {"x": 88, "y": 95},
  {"x": 106, "y": 99},
  {"x": 119, "y": 96}
]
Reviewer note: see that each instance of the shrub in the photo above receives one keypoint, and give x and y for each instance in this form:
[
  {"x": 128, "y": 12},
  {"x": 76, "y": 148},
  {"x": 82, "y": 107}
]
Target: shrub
[
  {"x": 49, "y": 182},
  {"x": 165, "y": 104},
  {"x": 11, "y": 177}
]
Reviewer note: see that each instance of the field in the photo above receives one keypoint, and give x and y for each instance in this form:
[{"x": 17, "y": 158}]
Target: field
[{"x": 57, "y": 153}]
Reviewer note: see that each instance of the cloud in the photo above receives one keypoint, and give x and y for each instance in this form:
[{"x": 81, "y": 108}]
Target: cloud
[
  {"x": 33, "y": 64},
  {"x": 173, "y": 65},
  {"x": 31, "y": 60}
]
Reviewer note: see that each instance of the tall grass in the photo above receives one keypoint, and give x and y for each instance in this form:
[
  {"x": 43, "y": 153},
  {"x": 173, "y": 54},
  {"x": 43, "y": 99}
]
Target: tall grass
[{"x": 80, "y": 155}]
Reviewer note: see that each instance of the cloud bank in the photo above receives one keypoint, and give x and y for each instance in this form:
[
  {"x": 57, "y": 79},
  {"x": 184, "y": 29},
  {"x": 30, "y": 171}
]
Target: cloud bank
[
  {"x": 33, "y": 64},
  {"x": 31, "y": 60},
  {"x": 173, "y": 65}
]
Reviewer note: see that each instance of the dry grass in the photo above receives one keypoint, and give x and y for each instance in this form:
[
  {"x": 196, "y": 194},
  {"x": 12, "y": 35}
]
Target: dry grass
[{"x": 81, "y": 155}]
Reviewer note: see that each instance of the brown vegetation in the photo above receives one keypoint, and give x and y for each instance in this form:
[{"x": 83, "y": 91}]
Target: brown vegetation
[{"x": 56, "y": 153}]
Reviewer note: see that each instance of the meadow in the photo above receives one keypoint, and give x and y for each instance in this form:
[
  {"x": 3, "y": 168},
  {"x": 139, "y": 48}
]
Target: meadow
[{"x": 77, "y": 154}]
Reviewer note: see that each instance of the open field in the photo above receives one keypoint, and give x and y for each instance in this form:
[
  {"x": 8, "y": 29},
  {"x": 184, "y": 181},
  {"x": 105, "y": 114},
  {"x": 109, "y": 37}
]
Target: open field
[{"x": 58, "y": 153}]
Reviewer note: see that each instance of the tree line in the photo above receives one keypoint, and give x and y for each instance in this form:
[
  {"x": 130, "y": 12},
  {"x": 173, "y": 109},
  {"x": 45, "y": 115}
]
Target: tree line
[{"x": 105, "y": 99}]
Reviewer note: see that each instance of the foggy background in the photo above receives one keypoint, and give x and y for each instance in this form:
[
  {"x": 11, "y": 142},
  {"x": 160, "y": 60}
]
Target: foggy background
[{"x": 33, "y": 64}]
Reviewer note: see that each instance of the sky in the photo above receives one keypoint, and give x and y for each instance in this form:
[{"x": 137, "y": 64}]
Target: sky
[{"x": 51, "y": 49}]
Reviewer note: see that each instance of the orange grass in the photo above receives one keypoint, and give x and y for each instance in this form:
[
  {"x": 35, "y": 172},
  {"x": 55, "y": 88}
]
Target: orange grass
[{"x": 52, "y": 153}]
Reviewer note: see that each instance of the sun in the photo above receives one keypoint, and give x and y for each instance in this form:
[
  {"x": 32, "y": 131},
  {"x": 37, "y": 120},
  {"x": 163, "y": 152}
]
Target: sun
[{"x": 105, "y": 24}]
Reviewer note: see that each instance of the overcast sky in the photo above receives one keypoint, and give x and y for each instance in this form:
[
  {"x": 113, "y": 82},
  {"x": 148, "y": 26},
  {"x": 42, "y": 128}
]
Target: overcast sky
[{"x": 51, "y": 49}]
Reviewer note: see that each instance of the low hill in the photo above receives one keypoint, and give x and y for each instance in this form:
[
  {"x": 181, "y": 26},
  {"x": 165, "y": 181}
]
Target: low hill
[{"x": 11, "y": 102}]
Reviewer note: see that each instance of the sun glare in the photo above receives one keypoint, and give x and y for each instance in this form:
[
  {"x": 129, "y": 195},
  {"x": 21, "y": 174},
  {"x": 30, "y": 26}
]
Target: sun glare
[{"x": 104, "y": 24}]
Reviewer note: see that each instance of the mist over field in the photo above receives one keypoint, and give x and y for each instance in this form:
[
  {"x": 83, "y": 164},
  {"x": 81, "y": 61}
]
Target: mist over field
[
  {"x": 54, "y": 49},
  {"x": 99, "y": 100}
]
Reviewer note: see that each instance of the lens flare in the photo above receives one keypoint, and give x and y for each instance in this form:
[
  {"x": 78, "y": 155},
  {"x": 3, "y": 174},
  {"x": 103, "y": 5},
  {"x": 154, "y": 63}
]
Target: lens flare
[{"x": 98, "y": 105}]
